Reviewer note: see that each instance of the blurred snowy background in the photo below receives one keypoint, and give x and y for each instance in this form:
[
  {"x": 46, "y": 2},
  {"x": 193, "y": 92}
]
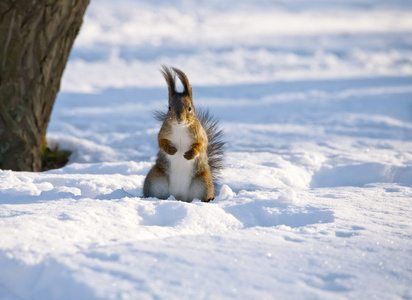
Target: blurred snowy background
[{"x": 315, "y": 99}]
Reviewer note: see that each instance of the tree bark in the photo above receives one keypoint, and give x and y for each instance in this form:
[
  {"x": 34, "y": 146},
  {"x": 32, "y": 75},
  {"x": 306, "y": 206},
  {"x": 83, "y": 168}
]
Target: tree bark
[{"x": 35, "y": 41}]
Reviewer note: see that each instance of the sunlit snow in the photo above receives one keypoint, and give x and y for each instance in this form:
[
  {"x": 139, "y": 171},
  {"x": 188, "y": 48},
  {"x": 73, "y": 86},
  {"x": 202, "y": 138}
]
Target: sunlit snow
[{"x": 315, "y": 100}]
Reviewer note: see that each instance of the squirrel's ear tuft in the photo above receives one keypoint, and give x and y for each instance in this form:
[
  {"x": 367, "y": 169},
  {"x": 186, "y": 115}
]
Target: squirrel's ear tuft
[
  {"x": 170, "y": 80},
  {"x": 185, "y": 82}
]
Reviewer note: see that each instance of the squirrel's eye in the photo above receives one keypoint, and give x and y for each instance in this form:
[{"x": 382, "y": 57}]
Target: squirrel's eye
[
  {"x": 170, "y": 108},
  {"x": 190, "y": 108}
]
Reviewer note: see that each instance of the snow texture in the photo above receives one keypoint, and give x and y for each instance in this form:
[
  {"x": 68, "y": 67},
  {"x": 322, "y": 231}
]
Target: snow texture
[{"x": 315, "y": 100}]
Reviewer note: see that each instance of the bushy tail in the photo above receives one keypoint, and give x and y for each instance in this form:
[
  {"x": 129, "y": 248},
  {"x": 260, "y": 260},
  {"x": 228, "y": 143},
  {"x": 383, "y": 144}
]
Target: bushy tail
[{"x": 216, "y": 146}]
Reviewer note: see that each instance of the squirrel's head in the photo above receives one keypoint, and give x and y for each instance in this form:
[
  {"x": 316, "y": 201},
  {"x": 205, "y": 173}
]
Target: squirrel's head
[{"x": 181, "y": 110}]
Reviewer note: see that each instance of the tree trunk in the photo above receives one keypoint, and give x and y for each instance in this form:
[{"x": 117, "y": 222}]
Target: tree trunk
[{"x": 35, "y": 41}]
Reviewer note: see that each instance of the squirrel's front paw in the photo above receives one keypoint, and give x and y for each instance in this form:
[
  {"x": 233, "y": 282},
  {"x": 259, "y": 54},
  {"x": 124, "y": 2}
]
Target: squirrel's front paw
[
  {"x": 189, "y": 155},
  {"x": 169, "y": 149},
  {"x": 167, "y": 146}
]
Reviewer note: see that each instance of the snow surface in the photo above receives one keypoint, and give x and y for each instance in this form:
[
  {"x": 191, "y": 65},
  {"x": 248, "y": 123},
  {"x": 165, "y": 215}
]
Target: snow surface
[{"x": 315, "y": 99}]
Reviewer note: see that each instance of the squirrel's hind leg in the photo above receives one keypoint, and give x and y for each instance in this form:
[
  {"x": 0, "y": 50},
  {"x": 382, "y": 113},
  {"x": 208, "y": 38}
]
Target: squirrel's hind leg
[
  {"x": 156, "y": 184},
  {"x": 202, "y": 187}
]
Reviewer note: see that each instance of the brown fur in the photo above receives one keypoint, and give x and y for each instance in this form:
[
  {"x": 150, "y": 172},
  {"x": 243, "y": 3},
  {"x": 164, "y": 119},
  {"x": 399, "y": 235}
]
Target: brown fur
[{"x": 181, "y": 116}]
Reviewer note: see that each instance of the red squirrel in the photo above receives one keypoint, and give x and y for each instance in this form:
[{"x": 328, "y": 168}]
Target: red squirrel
[{"x": 191, "y": 148}]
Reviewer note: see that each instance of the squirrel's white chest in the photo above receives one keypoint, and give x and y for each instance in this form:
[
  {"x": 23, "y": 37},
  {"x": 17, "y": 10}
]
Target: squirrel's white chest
[
  {"x": 181, "y": 169},
  {"x": 180, "y": 139}
]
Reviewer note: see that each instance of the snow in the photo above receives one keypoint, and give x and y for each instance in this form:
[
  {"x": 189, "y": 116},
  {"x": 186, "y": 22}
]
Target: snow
[{"x": 315, "y": 200}]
